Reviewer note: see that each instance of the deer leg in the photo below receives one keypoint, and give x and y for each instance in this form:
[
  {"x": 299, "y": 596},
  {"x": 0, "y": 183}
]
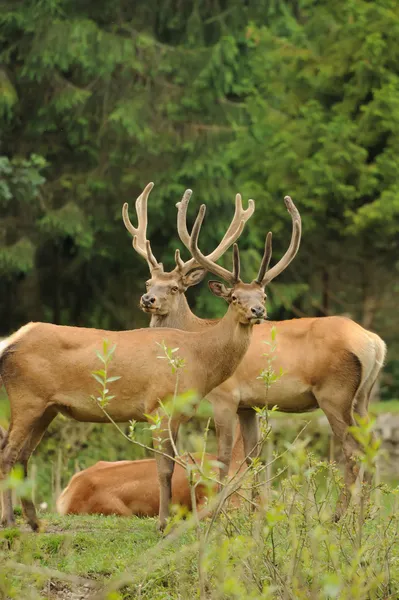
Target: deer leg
[
  {"x": 250, "y": 433},
  {"x": 340, "y": 418},
  {"x": 361, "y": 409},
  {"x": 30, "y": 445},
  {"x": 165, "y": 466},
  {"x": 336, "y": 397},
  {"x": 225, "y": 425},
  {"x": 104, "y": 503},
  {"x": 7, "y": 512},
  {"x": 17, "y": 436}
]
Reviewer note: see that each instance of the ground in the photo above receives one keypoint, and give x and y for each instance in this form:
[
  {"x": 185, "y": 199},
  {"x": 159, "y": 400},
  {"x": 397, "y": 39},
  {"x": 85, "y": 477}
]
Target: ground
[{"x": 90, "y": 549}]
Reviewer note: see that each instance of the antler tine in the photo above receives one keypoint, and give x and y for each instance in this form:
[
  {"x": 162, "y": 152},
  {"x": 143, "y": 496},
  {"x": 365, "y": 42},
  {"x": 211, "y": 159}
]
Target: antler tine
[
  {"x": 139, "y": 233},
  {"x": 266, "y": 259},
  {"x": 234, "y": 231},
  {"x": 152, "y": 261},
  {"x": 294, "y": 244},
  {"x": 236, "y": 263},
  {"x": 182, "y": 218},
  {"x": 202, "y": 260},
  {"x": 179, "y": 262}
]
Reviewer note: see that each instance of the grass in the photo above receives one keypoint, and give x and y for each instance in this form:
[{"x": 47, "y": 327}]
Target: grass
[
  {"x": 290, "y": 550},
  {"x": 74, "y": 552},
  {"x": 88, "y": 546},
  {"x": 92, "y": 548}
]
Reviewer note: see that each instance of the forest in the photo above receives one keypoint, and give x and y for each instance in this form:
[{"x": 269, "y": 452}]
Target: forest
[{"x": 262, "y": 97}]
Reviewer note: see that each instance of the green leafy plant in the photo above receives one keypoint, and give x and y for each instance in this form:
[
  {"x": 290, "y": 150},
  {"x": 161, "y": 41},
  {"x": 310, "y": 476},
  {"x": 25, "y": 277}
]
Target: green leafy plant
[{"x": 101, "y": 375}]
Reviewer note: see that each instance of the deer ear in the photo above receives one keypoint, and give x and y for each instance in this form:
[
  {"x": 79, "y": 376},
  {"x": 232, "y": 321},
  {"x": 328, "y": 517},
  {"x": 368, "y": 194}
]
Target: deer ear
[
  {"x": 219, "y": 289},
  {"x": 194, "y": 277}
]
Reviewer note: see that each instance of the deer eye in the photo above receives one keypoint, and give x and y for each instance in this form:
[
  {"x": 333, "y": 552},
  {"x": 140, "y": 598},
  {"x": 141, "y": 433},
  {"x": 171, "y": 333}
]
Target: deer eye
[
  {"x": 175, "y": 289},
  {"x": 147, "y": 284},
  {"x": 234, "y": 299}
]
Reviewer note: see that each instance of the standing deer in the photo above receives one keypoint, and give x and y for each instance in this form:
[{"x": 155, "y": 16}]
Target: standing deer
[
  {"x": 330, "y": 363},
  {"x": 47, "y": 369}
]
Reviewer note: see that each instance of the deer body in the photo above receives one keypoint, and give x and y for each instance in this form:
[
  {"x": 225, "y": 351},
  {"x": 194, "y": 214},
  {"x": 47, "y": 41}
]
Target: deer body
[
  {"x": 330, "y": 363},
  {"x": 327, "y": 362},
  {"x": 131, "y": 487},
  {"x": 60, "y": 360},
  {"x": 302, "y": 348},
  {"x": 123, "y": 488},
  {"x": 47, "y": 369}
]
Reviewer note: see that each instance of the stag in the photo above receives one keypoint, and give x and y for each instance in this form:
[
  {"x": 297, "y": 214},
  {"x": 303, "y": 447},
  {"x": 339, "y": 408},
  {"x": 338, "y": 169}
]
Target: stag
[
  {"x": 46, "y": 369},
  {"x": 330, "y": 363}
]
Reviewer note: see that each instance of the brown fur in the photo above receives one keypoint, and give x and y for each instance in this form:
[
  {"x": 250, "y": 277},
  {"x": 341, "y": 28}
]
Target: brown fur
[
  {"x": 128, "y": 488},
  {"x": 328, "y": 362},
  {"x": 49, "y": 371}
]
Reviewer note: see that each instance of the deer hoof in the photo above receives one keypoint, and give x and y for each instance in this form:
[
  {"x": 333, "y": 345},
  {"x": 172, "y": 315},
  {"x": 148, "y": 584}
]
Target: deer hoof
[
  {"x": 161, "y": 526},
  {"x": 7, "y": 523},
  {"x": 35, "y": 526}
]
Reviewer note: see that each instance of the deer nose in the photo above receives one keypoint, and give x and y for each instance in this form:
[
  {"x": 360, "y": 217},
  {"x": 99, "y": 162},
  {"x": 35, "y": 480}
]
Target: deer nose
[
  {"x": 258, "y": 311},
  {"x": 148, "y": 299}
]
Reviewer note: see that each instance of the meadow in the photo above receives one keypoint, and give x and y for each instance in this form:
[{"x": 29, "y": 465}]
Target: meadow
[{"x": 290, "y": 548}]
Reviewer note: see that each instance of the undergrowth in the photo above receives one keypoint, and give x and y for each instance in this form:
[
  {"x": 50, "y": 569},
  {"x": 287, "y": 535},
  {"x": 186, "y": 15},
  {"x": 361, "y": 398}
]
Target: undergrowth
[
  {"x": 289, "y": 549},
  {"x": 280, "y": 543}
]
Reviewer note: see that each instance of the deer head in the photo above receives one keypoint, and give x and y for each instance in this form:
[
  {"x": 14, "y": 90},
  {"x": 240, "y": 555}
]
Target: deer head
[
  {"x": 165, "y": 289},
  {"x": 246, "y": 299}
]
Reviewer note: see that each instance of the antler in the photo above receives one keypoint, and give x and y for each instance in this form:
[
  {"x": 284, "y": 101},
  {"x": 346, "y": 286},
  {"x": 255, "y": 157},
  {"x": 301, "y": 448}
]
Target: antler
[
  {"x": 139, "y": 233},
  {"x": 205, "y": 261},
  {"x": 234, "y": 231},
  {"x": 264, "y": 276},
  {"x": 266, "y": 259}
]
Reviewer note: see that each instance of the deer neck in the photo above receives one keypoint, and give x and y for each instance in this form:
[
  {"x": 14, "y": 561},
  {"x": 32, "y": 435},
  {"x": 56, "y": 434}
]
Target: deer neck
[
  {"x": 180, "y": 318},
  {"x": 223, "y": 346}
]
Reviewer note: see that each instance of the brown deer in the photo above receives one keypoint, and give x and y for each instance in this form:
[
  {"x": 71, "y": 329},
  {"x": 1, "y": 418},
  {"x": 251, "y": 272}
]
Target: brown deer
[
  {"x": 47, "y": 369},
  {"x": 131, "y": 487},
  {"x": 330, "y": 363}
]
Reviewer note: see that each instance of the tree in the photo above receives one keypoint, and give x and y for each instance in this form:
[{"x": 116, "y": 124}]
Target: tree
[{"x": 265, "y": 97}]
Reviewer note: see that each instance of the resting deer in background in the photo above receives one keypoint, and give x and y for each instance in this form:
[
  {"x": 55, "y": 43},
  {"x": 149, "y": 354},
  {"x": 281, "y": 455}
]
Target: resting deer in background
[
  {"x": 131, "y": 487},
  {"x": 330, "y": 363},
  {"x": 47, "y": 369}
]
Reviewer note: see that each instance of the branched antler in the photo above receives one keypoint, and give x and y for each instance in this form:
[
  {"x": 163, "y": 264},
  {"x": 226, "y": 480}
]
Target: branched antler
[
  {"x": 232, "y": 234},
  {"x": 264, "y": 276},
  {"x": 292, "y": 249},
  {"x": 205, "y": 261},
  {"x": 139, "y": 233}
]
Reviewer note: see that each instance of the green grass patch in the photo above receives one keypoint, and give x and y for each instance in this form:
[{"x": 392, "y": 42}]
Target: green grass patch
[
  {"x": 238, "y": 561},
  {"x": 95, "y": 548}
]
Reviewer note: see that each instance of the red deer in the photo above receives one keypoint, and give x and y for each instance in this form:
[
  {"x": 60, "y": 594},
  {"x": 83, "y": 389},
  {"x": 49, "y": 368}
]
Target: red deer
[
  {"x": 47, "y": 369},
  {"x": 330, "y": 363},
  {"x": 131, "y": 487}
]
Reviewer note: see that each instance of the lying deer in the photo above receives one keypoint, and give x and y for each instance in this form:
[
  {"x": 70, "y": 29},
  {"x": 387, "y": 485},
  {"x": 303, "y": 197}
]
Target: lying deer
[
  {"x": 131, "y": 487},
  {"x": 46, "y": 369},
  {"x": 330, "y": 363}
]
